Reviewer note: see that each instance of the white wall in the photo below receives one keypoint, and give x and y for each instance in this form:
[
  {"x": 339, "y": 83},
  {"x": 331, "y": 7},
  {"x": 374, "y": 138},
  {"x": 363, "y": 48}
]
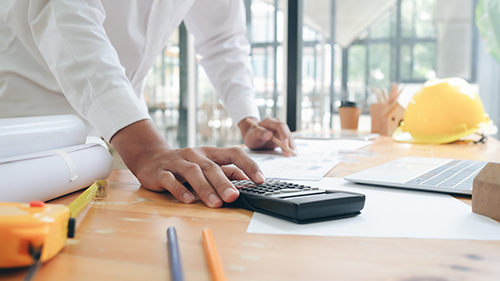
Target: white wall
[
  {"x": 454, "y": 26},
  {"x": 488, "y": 80}
]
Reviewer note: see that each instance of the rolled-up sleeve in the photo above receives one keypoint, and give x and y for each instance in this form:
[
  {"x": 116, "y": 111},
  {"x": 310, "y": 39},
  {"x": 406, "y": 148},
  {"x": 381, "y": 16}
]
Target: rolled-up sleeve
[
  {"x": 219, "y": 29},
  {"x": 70, "y": 37}
]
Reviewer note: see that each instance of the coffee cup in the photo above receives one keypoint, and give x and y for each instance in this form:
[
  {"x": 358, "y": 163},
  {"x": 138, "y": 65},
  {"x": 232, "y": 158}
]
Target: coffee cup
[{"x": 349, "y": 115}]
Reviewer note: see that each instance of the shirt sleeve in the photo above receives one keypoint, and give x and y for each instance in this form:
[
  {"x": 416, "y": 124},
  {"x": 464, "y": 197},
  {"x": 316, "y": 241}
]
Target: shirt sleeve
[
  {"x": 219, "y": 29},
  {"x": 70, "y": 38}
]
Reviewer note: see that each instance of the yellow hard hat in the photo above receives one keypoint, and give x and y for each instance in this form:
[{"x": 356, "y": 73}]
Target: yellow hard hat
[{"x": 443, "y": 111}]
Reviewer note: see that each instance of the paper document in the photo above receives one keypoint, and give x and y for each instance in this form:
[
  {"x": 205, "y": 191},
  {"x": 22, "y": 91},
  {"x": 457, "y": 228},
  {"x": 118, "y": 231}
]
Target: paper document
[
  {"x": 390, "y": 212},
  {"x": 315, "y": 159}
]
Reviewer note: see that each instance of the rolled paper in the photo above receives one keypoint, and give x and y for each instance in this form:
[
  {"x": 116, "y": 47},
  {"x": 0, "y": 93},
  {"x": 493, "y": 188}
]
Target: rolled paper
[
  {"x": 46, "y": 175},
  {"x": 26, "y": 135}
]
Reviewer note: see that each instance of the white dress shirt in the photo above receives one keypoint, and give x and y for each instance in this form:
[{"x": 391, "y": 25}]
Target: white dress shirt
[{"x": 90, "y": 57}]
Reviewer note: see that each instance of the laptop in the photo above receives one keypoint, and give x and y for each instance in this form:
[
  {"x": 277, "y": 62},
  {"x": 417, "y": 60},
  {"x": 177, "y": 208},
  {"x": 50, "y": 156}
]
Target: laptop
[{"x": 423, "y": 173}]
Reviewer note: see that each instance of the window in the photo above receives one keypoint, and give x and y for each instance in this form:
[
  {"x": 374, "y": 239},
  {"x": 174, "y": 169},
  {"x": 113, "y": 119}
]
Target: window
[
  {"x": 410, "y": 43},
  {"x": 346, "y": 49}
]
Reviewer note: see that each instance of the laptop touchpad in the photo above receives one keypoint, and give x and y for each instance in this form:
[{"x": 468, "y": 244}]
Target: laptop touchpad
[{"x": 397, "y": 171}]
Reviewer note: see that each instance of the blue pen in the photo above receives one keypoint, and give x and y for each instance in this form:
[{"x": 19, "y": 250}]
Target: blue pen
[{"x": 174, "y": 257}]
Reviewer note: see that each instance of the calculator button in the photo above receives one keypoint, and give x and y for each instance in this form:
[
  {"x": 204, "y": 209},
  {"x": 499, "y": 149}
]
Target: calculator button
[
  {"x": 288, "y": 190},
  {"x": 300, "y": 193},
  {"x": 268, "y": 193}
]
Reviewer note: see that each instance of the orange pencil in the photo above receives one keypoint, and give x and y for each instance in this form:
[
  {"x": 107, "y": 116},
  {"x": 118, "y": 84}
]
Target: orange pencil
[
  {"x": 212, "y": 256},
  {"x": 274, "y": 139}
]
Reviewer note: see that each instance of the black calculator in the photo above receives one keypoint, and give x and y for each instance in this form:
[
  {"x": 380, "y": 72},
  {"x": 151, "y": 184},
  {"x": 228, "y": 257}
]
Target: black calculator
[{"x": 295, "y": 202}]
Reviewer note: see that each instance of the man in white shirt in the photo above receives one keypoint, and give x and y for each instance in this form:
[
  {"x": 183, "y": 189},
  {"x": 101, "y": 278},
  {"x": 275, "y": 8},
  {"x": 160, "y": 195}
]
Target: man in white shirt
[{"x": 90, "y": 58}]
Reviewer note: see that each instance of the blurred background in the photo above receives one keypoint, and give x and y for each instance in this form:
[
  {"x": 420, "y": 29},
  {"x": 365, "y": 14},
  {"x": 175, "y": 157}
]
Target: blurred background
[{"x": 309, "y": 55}]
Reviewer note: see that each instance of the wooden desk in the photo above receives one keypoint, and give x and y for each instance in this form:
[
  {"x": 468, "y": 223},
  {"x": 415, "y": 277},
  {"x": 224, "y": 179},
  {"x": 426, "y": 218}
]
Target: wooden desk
[{"x": 123, "y": 238}]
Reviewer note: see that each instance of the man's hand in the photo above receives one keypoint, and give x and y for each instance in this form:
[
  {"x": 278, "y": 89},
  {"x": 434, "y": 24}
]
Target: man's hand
[
  {"x": 159, "y": 167},
  {"x": 257, "y": 138}
]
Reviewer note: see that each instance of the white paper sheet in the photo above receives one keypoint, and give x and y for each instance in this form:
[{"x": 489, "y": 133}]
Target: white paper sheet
[
  {"x": 315, "y": 159},
  {"x": 47, "y": 175},
  {"x": 390, "y": 212}
]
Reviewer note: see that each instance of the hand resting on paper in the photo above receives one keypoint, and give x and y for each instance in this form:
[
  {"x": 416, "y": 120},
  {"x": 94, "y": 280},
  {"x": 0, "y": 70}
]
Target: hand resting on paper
[
  {"x": 158, "y": 167},
  {"x": 260, "y": 138}
]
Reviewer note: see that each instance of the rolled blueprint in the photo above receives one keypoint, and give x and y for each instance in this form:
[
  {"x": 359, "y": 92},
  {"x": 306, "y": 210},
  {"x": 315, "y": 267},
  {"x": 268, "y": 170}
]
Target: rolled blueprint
[
  {"x": 53, "y": 173},
  {"x": 33, "y": 134}
]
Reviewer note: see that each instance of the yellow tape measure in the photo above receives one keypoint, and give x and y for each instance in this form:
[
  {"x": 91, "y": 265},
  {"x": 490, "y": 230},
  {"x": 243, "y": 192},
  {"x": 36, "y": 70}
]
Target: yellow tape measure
[{"x": 24, "y": 227}]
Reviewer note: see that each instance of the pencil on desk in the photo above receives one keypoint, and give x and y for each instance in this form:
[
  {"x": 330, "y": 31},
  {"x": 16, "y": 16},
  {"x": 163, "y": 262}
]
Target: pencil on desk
[
  {"x": 212, "y": 256},
  {"x": 274, "y": 139},
  {"x": 174, "y": 257}
]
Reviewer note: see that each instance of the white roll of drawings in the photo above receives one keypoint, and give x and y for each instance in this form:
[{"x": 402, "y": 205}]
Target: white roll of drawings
[{"x": 45, "y": 157}]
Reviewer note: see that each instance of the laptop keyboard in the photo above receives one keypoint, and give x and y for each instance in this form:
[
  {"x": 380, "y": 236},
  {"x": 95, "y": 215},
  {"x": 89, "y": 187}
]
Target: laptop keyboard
[{"x": 457, "y": 174}]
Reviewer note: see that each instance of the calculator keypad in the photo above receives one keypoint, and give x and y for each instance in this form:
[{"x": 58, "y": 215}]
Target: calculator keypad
[{"x": 276, "y": 188}]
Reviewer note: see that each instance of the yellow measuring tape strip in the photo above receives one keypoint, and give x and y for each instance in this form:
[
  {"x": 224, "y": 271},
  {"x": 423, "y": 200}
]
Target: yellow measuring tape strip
[{"x": 98, "y": 189}]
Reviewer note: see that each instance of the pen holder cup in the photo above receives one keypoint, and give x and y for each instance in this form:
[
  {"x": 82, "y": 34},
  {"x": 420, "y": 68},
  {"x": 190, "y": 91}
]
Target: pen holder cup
[
  {"x": 386, "y": 118},
  {"x": 379, "y": 122},
  {"x": 349, "y": 113}
]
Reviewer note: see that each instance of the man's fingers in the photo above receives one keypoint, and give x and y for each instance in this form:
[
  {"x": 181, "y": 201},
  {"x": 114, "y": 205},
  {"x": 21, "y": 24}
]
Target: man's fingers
[
  {"x": 196, "y": 178},
  {"x": 201, "y": 168},
  {"x": 280, "y": 129},
  {"x": 239, "y": 158},
  {"x": 207, "y": 178},
  {"x": 260, "y": 138},
  {"x": 179, "y": 191},
  {"x": 275, "y": 125},
  {"x": 233, "y": 173},
  {"x": 263, "y": 134}
]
